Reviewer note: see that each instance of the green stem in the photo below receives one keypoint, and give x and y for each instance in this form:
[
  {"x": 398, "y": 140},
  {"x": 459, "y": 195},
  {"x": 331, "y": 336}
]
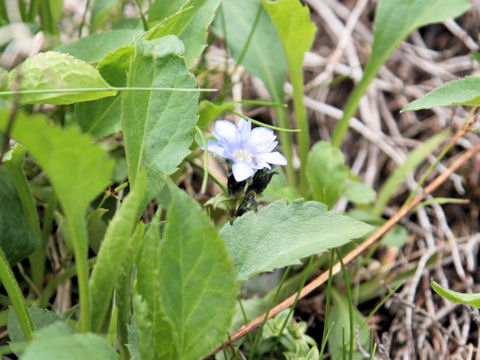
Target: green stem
[
  {"x": 286, "y": 143},
  {"x": 32, "y": 12},
  {"x": 13, "y": 290},
  {"x": 260, "y": 330},
  {"x": 290, "y": 311},
  {"x": 23, "y": 10},
  {"x": 49, "y": 25},
  {"x": 78, "y": 232},
  {"x": 142, "y": 15},
  {"x": 326, "y": 331},
  {"x": 351, "y": 107},
  {"x": 256, "y": 122},
  {"x": 84, "y": 17},
  {"x": 296, "y": 76},
  {"x": 205, "y": 159},
  {"x": 350, "y": 305}
]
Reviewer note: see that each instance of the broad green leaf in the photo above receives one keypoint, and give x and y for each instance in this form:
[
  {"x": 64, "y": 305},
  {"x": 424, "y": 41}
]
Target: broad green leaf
[
  {"x": 94, "y": 48},
  {"x": 194, "y": 34},
  {"x": 175, "y": 24},
  {"x": 359, "y": 193},
  {"x": 413, "y": 160},
  {"x": 123, "y": 288},
  {"x": 113, "y": 248},
  {"x": 186, "y": 282},
  {"x": 157, "y": 126},
  {"x": 394, "y": 21},
  {"x": 102, "y": 117},
  {"x": 339, "y": 317},
  {"x": 154, "y": 330},
  {"x": 77, "y": 169},
  {"x": 54, "y": 70},
  {"x": 326, "y": 172},
  {"x": 279, "y": 235},
  {"x": 101, "y": 11},
  {"x": 209, "y": 111},
  {"x": 161, "y": 9},
  {"x": 397, "y": 237},
  {"x": 279, "y": 189},
  {"x": 58, "y": 341},
  {"x": 18, "y": 239},
  {"x": 40, "y": 318},
  {"x": 460, "y": 92},
  {"x": 295, "y": 29},
  {"x": 457, "y": 297},
  {"x": 264, "y": 57}
]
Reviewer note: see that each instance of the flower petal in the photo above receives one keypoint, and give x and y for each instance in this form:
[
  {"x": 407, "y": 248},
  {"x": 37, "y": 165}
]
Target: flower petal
[
  {"x": 261, "y": 140},
  {"x": 226, "y": 132},
  {"x": 241, "y": 171},
  {"x": 245, "y": 129},
  {"x": 274, "y": 158},
  {"x": 213, "y": 147}
]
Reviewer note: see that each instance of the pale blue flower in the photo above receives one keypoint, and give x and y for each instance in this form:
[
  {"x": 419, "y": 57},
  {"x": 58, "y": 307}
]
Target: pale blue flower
[{"x": 248, "y": 149}]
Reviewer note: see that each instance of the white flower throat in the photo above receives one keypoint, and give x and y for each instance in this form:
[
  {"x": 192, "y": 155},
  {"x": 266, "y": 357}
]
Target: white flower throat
[{"x": 242, "y": 155}]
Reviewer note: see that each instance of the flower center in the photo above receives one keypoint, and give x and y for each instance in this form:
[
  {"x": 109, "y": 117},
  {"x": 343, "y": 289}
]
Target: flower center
[{"x": 242, "y": 155}]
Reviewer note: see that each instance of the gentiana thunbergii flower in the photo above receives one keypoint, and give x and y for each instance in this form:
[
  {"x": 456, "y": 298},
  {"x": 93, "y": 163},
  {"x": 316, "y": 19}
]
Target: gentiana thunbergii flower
[{"x": 249, "y": 149}]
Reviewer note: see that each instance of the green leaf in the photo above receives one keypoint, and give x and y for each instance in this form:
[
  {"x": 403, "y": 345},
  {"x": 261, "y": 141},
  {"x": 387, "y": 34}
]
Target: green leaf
[
  {"x": 359, "y": 193},
  {"x": 175, "y": 24},
  {"x": 40, "y": 318},
  {"x": 279, "y": 235},
  {"x": 161, "y": 9},
  {"x": 460, "y": 92},
  {"x": 186, "y": 283},
  {"x": 394, "y": 21},
  {"x": 18, "y": 239},
  {"x": 194, "y": 34},
  {"x": 94, "y": 48},
  {"x": 209, "y": 111},
  {"x": 326, "y": 172},
  {"x": 112, "y": 251},
  {"x": 58, "y": 341},
  {"x": 413, "y": 160},
  {"x": 339, "y": 317},
  {"x": 456, "y": 297},
  {"x": 102, "y": 117},
  {"x": 397, "y": 237},
  {"x": 158, "y": 126},
  {"x": 123, "y": 288},
  {"x": 153, "y": 329},
  {"x": 295, "y": 29},
  {"x": 54, "y": 70},
  {"x": 264, "y": 57},
  {"x": 78, "y": 171}
]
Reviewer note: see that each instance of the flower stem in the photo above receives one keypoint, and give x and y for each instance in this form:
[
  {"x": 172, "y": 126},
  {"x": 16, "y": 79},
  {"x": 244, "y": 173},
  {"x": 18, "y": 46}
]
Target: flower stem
[
  {"x": 13, "y": 290},
  {"x": 296, "y": 76},
  {"x": 79, "y": 239}
]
